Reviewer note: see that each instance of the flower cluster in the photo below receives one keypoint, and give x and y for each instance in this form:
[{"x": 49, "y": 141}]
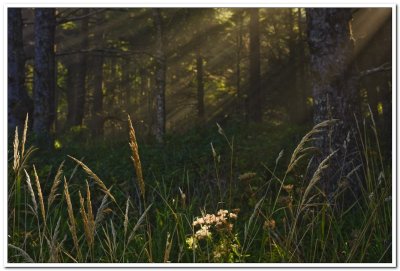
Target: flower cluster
[
  {"x": 288, "y": 188},
  {"x": 221, "y": 221},
  {"x": 203, "y": 233},
  {"x": 247, "y": 176},
  {"x": 269, "y": 224}
]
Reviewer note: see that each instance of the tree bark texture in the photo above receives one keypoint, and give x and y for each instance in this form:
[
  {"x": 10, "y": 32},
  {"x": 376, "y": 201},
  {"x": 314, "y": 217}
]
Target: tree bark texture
[
  {"x": 334, "y": 88},
  {"x": 160, "y": 77},
  {"x": 19, "y": 102},
  {"x": 44, "y": 72},
  {"x": 254, "y": 97}
]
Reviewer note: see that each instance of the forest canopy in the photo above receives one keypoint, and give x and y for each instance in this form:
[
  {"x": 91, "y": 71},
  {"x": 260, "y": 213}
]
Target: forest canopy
[{"x": 108, "y": 61}]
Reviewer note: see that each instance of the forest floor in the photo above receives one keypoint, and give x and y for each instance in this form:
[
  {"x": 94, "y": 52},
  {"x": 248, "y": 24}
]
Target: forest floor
[{"x": 230, "y": 193}]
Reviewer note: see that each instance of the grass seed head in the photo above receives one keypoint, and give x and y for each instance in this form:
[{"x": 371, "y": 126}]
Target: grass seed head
[
  {"x": 135, "y": 157},
  {"x": 40, "y": 195},
  {"x": 71, "y": 217},
  {"x": 30, "y": 189},
  {"x": 54, "y": 187},
  {"x": 16, "y": 160}
]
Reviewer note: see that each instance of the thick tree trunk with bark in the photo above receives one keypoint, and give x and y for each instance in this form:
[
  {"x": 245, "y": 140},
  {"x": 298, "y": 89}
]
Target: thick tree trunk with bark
[
  {"x": 19, "y": 102},
  {"x": 160, "y": 77},
  {"x": 254, "y": 98},
  {"x": 44, "y": 72},
  {"x": 334, "y": 86}
]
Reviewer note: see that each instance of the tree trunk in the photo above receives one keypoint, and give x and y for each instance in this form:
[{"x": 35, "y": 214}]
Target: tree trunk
[
  {"x": 44, "y": 76},
  {"x": 293, "y": 103},
  {"x": 160, "y": 77},
  {"x": 302, "y": 75},
  {"x": 19, "y": 102},
  {"x": 334, "y": 87},
  {"x": 239, "y": 46},
  {"x": 126, "y": 89},
  {"x": 296, "y": 105},
  {"x": 70, "y": 84},
  {"x": 146, "y": 97},
  {"x": 147, "y": 93},
  {"x": 81, "y": 70},
  {"x": 112, "y": 81},
  {"x": 254, "y": 99},
  {"x": 97, "y": 124},
  {"x": 76, "y": 77},
  {"x": 200, "y": 87}
]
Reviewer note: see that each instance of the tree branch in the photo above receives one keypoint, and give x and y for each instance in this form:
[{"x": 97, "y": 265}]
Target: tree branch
[
  {"x": 382, "y": 68},
  {"x": 65, "y": 19},
  {"x": 77, "y": 18},
  {"x": 107, "y": 52}
]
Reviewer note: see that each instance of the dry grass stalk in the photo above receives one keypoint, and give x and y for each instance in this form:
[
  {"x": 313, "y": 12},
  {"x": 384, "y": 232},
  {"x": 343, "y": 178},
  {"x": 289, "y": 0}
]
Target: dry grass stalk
[
  {"x": 86, "y": 223},
  {"x": 301, "y": 150},
  {"x": 17, "y": 157},
  {"x": 84, "y": 217},
  {"x": 101, "y": 211},
  {"x": 24, "y": 135},
  {"x": 138, "y": 223},
  {"x": 109, "y": 247},
  {"x": 168, "y": 247},
  {"x": 72, "y": 222},
  {"x": 214, "y": 153},
  {"x": 303, "y": 204},
  {"x": 126, "y": 220},
  {"x": 316, "y": 177},
  {"x": 135, "y": 157},
  {"x": 53, "y": 243},
  {"x": 97, "y": 180},
  {"x": 114, "y": 237},
  {"x": 22, "y": 253},
  {"x": 40, "y": 195},
  {"x": 28, "y": 182},
  {"x": 69, "y": 255},
  {"x": 89, "y": 208},
  {"x": 54, "y": 187}
]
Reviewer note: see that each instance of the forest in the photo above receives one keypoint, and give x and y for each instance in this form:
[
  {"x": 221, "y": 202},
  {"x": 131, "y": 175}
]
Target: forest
[{"x": 199, "y": 135}]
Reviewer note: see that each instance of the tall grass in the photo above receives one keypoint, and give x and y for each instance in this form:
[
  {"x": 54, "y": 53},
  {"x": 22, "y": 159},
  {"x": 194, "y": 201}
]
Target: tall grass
[
  {"x": 20, "y": 158},
  {"x": 276, "y": 215}
]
